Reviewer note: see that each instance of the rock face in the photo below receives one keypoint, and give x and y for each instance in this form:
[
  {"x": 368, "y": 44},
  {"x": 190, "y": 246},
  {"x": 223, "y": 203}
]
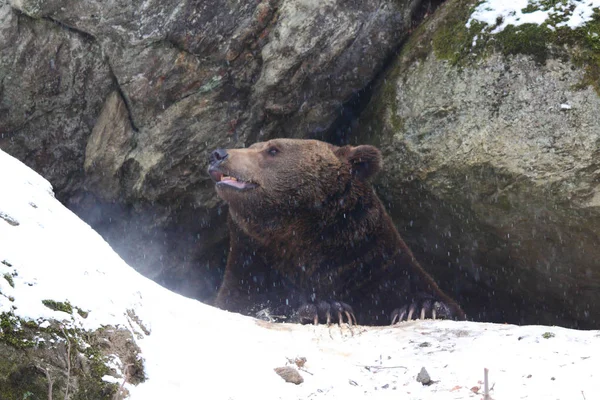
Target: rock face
[
  {"x": 117, "y": 104},
  {"x": 490, "y": 140},
  {"x": 492, "y": 165},
  {"x": 52, "y": 86}
]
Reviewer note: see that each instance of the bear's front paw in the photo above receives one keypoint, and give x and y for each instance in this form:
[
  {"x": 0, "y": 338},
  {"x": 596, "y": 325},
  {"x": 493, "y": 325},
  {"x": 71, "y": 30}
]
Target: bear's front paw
[
  {"x": 421, "y": 309},
  {"x": 326, "y": 311}
]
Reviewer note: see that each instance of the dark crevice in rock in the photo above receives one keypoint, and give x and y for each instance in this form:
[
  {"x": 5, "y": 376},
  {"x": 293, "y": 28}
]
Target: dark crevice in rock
[
  {"x": 89, "y": 37},
  {"x": 122, "y": 94},
  {"x": 340, "y": 131},
  {"x": 84, "y": 34}
]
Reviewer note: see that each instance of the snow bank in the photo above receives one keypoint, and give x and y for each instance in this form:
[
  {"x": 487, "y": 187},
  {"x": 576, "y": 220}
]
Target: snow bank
[
  {"x": 194, "y": 351},
  {"x": 571, "y": 13}
]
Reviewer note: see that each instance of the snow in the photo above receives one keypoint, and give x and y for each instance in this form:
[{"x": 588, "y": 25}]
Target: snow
[
  {"x": 511, "y": 13},
  {"x": 195, "y": 351},
  {"x": 565, "y": 106}
]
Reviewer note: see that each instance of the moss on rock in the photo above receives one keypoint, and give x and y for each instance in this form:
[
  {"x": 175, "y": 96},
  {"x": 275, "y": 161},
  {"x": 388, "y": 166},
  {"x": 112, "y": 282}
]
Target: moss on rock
[
  {"x": 452, "y": 40},
  {"x": 447, "y": 36},
  {"x": 82, "y": 313},
  {"x": 9, "y": 279},
  {"x": 19, "y": 381},
  {"x": 31, "y": 354},
  {"x": 58, "y": 306},
  {"x": 11, "y": 332},
  {"x": 91, "y": 384}
]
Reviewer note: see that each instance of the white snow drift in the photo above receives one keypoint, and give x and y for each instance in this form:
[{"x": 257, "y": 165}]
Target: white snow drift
[{"x": 194, "y": 351}]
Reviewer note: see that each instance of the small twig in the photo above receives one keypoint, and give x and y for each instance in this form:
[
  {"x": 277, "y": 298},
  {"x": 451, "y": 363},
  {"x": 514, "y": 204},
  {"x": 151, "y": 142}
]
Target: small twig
[
  {"x": 49, "y": 379},
  {"x": 368, "y": 367},
  {"x": 125, "y": 380},
  {"x": 68, "y": 362},
  {"x": 583, "y": 395},
  {"x": 486, "y": 388},
  {"x": 305, "y": 370}
]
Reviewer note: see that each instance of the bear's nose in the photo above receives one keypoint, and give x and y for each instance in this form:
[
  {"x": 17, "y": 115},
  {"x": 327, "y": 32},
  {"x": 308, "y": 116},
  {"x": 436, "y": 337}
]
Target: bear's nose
[{"x": 218, "y": 156}]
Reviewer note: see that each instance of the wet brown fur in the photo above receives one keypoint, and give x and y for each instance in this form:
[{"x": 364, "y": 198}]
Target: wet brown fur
[{"x": 314, "y": 229}]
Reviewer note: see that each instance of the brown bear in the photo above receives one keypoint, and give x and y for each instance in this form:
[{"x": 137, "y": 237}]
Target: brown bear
[{"x": 310, "y": 240}]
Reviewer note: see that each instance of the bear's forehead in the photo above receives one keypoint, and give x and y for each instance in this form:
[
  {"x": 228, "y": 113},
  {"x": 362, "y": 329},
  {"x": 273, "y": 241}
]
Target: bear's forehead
[{"x": 294, "y": 143}]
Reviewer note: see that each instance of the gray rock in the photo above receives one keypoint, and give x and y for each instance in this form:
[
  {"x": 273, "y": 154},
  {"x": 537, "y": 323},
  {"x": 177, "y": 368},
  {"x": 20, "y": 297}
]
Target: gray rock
[
  {"x": 489, "y": 176},
  {"x": 423, "y": 377},
  {"x": 110, "y": 141},
  {"x": 10, "y": 220},
  {"x": 290, "y": 374},
  {"x": 52, "y": 86}
]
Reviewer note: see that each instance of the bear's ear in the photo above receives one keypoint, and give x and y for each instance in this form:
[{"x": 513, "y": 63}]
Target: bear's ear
[{"x": 365, "y": 160}]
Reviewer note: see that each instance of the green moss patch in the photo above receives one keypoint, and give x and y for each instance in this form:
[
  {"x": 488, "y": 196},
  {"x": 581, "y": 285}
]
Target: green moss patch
[
  {"x": 453, "y": 41},
  {"x": 65, "y": 307},
  {"x": 21, "y": 382},
  {"x": 462, "y": 45},
  {"x": 82, "y": 313},
  {"x": 12, "y": 333},
  {"x": 9, "y": 279},
  {"x": 446, "y": 35},
  {"x": 70, "y": 357},
  {"x": 529, "y": 39},
  {"x": 588, "y": 55},
  {"x": 58, "y": 306},
  {"x": 92, "y": 385}
]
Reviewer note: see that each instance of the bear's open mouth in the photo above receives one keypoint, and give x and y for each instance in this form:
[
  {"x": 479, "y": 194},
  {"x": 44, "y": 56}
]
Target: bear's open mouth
[{"x": 227, "y": 180}]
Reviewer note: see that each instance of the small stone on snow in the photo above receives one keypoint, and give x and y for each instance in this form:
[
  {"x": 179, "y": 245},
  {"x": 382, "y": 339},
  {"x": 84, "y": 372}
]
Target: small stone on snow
[
  {"x": 289, "y": 374},
  {"x": 424, "y": 377}
]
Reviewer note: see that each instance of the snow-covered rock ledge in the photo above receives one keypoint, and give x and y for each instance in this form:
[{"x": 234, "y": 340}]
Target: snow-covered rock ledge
[{"x": 74, "y": 314}]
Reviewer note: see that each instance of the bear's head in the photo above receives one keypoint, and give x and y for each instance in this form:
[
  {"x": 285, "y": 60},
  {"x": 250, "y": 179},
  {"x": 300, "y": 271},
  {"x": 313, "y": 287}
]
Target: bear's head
[{"x": 281, "y": 180}]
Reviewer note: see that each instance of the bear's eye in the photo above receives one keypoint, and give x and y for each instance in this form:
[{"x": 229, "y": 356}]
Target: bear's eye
[{"x": 272, "y": 151}]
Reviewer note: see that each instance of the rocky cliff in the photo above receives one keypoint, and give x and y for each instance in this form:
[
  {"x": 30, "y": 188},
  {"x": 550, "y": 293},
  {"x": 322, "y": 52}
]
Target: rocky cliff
[{"x": 489, "y": 129}]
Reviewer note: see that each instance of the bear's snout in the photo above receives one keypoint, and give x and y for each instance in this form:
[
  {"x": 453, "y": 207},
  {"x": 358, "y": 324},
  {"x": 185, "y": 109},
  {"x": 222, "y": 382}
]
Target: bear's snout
[{"x": 218, "y": 156}]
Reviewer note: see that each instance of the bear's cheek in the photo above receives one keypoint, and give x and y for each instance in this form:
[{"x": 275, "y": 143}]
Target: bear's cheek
[{"x": 246, "y": 202}]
